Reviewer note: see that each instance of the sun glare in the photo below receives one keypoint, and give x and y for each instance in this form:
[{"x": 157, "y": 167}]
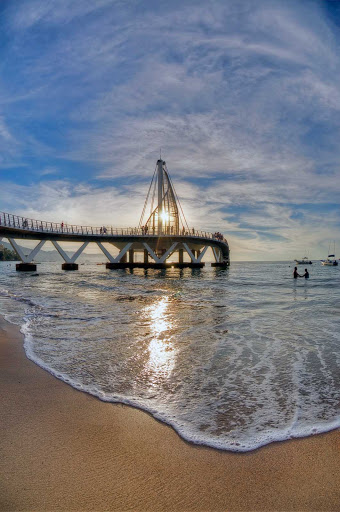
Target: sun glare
[
  {"x": 161, "y": 350},
  {"x": 165, "y": 217}
]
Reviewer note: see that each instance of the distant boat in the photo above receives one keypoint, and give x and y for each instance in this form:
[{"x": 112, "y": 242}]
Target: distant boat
[
  {"x": 304, "y": 261},
  {"x": 330, "y": 261}
]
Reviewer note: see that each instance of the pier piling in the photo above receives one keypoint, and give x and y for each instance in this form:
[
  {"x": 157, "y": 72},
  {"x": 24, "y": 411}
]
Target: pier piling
[
  {"x": 26, "y": 267},
  {"x": 69, "y": 266}
]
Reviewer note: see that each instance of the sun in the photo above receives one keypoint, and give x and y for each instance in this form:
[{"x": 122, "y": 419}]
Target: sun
[{"x": 164, "y": 217}]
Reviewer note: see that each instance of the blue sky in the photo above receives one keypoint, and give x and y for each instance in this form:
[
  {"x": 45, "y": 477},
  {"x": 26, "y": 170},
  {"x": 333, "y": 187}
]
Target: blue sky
[{"x": 243, "y": 97}]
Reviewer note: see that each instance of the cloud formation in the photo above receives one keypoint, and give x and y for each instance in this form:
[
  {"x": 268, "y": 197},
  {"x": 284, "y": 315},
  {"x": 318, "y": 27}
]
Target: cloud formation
[{"x": 242, "y": 97}]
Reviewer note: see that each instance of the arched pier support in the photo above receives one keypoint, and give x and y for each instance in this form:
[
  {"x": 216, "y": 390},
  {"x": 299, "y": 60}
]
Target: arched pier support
[
  {"x": 153, "y": 258},
  {"x": 219, "y": 261},
  {"x": 70, "y": 262},
  {"x": 26, "y": 264}
]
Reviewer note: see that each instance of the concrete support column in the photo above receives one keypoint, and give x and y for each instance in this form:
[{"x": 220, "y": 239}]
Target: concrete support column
[
  {"x": 131, "y": 255},
  {"x": 26, "y": 267},
  {"x": 123, "y": 259},
  {"x": 146, "y": 256},
  {"x": 180, "y": 256},
  {"x": 69, "y": 266}
]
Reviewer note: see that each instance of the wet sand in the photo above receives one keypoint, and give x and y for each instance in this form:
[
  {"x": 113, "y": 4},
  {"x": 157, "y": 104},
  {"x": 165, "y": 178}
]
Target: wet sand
[{"x": 64, "y": 450}]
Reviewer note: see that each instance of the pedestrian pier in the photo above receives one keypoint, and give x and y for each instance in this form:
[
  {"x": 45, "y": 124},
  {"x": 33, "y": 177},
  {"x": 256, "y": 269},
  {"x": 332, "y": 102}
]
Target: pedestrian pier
[{"x": 162, "y": 239}]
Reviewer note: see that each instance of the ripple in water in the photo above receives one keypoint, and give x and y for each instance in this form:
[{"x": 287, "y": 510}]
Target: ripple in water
[{"x": 232, "y": 359}]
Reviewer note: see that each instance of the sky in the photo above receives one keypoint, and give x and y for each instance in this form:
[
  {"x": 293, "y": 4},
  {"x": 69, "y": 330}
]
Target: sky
[{"x": 242, "y": 96}]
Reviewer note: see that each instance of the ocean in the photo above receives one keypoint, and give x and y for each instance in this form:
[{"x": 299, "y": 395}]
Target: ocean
[{"x": 232, "y": 359}]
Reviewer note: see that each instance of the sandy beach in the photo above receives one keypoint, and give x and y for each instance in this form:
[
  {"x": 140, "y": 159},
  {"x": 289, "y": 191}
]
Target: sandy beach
[{"x": 65, "y": 450}]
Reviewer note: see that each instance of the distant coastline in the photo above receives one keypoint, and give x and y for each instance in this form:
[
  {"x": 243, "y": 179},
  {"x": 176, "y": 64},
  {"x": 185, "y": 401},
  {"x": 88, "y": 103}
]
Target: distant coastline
[{"x": 6, "y": 254}]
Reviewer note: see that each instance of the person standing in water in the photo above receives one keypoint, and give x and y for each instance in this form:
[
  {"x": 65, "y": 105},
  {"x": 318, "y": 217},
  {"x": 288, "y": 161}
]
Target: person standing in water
[
  {"x": 295, "y": 273},
  {"x": 306, "y": 274}
]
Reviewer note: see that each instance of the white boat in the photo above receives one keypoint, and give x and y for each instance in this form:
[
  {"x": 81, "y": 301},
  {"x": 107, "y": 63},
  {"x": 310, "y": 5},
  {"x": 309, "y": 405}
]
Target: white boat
[
  {"x": 330, "y": 261},
  {"x": 304, "y": 261}
]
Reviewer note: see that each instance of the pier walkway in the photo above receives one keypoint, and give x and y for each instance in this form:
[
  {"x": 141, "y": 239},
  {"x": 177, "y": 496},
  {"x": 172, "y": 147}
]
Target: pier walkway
[{"x": 163, "y": 238}]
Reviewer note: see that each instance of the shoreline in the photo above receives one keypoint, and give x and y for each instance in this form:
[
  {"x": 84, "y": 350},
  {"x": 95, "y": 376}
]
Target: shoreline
[{"x": 63, "y": 449}]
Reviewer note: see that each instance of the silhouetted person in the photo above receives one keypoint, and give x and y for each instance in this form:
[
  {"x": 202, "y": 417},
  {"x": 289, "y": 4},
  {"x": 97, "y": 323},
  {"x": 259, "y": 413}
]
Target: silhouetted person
[
  {"x": 306, "y": 274},
  {"x": 295, "y": 273}
]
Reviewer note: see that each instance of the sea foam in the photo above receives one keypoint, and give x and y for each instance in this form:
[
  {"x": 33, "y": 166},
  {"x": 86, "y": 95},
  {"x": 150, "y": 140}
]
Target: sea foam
[{"x": 228, "y": 366}]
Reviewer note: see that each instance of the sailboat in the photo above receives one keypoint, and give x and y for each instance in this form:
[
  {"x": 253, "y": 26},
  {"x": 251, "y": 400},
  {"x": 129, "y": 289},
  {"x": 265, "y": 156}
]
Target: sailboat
[{"x": 330, "y": 261}]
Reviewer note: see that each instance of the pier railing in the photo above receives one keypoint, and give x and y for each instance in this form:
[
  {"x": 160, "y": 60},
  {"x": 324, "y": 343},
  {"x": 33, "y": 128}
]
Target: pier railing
[{"x": 40, "y": 226}]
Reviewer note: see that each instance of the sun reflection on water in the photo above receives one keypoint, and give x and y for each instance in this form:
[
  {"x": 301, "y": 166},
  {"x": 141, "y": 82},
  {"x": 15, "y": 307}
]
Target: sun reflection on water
[{"x": 161, "y": 350}]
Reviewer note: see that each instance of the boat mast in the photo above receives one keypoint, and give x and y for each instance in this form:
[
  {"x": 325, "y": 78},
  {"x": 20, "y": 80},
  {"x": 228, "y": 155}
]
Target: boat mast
[{"x": 160, "y": 195}]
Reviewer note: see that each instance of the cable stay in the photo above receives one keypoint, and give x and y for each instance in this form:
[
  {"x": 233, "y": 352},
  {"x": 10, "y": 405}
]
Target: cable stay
[{"x": 162, "y": 213}]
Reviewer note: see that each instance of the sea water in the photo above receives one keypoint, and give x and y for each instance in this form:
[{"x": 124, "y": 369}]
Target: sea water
[{"x": 232, "y": 359}]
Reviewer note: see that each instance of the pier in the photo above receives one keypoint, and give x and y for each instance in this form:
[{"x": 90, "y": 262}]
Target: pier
[{"x": 162, "y": 239}]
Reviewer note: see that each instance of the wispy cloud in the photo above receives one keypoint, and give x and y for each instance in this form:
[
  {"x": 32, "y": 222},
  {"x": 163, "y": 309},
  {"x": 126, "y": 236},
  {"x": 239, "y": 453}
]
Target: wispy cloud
[
  {"x": 242, "y": 97},
  {"x": 82, "y": 204}
]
